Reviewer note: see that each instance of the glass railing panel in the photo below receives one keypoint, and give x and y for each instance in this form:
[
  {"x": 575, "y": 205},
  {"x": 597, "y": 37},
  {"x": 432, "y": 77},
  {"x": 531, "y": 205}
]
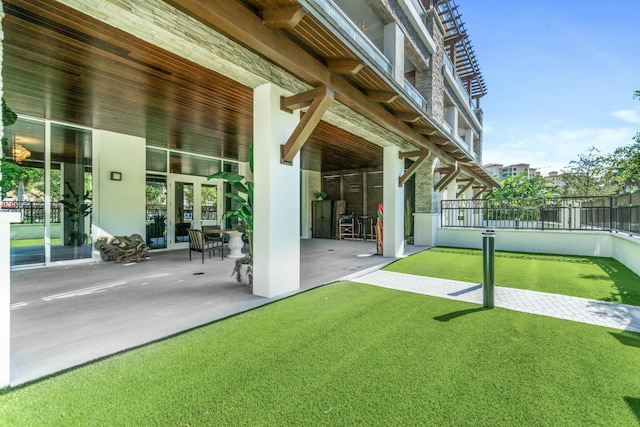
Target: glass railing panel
[
  {"x": 414, "y": 94},
  {"x": 352, "y": 31}
]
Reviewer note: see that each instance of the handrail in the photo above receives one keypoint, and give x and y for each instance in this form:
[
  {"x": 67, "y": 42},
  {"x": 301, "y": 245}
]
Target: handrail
[{"x": 352, "y": 31}]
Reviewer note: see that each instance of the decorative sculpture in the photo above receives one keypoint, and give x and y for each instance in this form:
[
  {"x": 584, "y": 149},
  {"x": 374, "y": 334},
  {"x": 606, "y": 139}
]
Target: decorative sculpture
[{"x": 122, "y": 248}]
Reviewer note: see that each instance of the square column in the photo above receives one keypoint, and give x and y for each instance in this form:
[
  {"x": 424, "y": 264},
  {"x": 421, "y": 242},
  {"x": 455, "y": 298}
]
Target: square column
[
  {"x": 468, "y": 138},
  {"x": 276, "y": 251},
  {"x": 394, "y": 50},
  {"x": 5, "y": 295},
  {"x": 393, "y": 204}
]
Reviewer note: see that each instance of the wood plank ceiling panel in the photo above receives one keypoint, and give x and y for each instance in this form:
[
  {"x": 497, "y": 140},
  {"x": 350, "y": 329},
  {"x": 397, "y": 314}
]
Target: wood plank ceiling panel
[{"x": 62, "y": 65}]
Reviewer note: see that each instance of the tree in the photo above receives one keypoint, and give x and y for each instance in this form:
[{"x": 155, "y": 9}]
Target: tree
[
  {"x": 522, "y": 187},
  {"x": 9, "y": 170},
  {"x": 625, "y": 161},
  {"x": 590, "y": 175}
]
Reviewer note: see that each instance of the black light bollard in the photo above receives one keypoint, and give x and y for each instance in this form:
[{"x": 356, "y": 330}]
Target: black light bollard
[{"x": 488, "y": 263}]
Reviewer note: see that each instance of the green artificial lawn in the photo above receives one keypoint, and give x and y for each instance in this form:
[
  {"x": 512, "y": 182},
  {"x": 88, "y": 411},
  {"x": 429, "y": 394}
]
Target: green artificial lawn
[
  {"x": 596, "y": 278},
  {"x": 351, "y": 354},
  {"x": 32, "y": 242}
]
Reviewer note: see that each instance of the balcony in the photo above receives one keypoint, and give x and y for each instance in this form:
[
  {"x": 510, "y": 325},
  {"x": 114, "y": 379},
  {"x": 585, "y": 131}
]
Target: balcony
[
  {"x": 350, "y": 30},
  {"x": 415, "y": 95}
]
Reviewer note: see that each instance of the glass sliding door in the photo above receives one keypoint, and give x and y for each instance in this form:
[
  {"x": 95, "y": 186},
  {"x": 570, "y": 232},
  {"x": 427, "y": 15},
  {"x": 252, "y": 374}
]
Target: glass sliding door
[
  {"x": 71, "y": 159},
  {"x": 26, "y": 152},
  {"x": 194, "y": 202},
  {"x": 156, "y": 194}
]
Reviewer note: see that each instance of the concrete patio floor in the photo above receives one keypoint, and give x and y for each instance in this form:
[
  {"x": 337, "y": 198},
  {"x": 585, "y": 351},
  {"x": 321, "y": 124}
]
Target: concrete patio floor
[{"x": 68, "y": 315}]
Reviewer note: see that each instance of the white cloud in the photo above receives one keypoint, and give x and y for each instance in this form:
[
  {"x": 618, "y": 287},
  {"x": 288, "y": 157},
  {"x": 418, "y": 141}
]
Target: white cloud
[
  {"x": 631, "y": 116},
  {"x": 552, "y": 151}
]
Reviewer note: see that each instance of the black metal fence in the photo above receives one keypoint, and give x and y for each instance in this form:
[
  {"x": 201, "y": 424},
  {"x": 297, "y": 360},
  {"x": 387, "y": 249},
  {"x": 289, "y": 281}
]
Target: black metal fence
[
  {"x": 606, "y": 213},
  {"x": 33, "y": 212}
]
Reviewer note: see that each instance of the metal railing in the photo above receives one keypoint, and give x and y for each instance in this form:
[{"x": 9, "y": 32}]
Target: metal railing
[
  {"x": 452, "y": 69},
  {"x": 352, "y": 31},
  {"x": 33, "y": 212},
  {"x": 605, "y": 213},
  {"x": 414, "y": 94}
]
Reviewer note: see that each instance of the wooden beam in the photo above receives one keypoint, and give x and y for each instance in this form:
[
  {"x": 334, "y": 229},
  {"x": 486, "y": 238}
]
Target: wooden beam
[
  {"x": 465, "y": 187},
  {"x": 449, "y": 175},
  {"x": 302, "y": 100},
  {"x": 307, "y": 124},
  {"x": 405, "y": 154},
  {"x": 478, "y": 190},
  {"x": 425, "y": 130},
  {"x": 408, "y": 117},
  {"x": 283, "y": 17},
  {"x": 345, "y": 66},
  {"x": 382, "y": 96},
  {"x": 407, "y": 174},
  {"x": 234, "y": 20}
]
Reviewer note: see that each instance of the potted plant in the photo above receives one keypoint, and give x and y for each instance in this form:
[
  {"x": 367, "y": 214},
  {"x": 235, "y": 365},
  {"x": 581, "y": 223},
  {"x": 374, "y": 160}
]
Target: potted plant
[
  {"x": 76, "y": 208},
  {"x": 244, "y": 212},
  {"x": 320, "y": 195}
]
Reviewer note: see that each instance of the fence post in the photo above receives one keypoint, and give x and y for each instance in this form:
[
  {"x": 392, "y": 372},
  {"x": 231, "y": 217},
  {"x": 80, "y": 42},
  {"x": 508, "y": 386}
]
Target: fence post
[{"x": 488, "y": 270}]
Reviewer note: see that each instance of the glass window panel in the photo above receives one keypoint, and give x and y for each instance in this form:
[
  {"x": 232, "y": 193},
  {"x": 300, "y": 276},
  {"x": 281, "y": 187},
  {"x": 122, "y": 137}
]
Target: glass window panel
[
  {"x": 156, "y": 160},
  {"x": 71, "y": 157},
  {"x": 26, "y": 148}
]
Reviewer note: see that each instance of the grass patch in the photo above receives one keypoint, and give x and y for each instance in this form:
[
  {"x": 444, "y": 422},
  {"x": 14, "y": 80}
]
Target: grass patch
[
  {"x": 598, "y": 278},
  {"x": 352, "y": 354},
  {"x": 33, "y": 242}
]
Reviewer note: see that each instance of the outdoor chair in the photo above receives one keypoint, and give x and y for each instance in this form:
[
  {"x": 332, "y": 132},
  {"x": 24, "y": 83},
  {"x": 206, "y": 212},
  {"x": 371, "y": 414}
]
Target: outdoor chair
[
  {"x": 202, "y": 242},
  {"x": 347, "y": 226}
]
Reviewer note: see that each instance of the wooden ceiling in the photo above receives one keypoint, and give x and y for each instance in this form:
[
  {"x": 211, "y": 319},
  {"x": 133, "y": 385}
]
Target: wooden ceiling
[{"x": 62, "y": 65}]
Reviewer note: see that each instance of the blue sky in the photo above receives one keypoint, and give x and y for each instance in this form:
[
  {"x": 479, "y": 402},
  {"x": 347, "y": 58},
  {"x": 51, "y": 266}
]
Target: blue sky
[{"x": 560, "y": 77}]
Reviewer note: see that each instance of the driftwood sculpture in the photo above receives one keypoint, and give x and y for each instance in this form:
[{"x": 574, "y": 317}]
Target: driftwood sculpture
[{"x": 122, "y": 248}]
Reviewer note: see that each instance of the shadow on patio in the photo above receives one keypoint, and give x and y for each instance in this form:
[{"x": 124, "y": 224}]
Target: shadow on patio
[{"x": 65, "y": 316}]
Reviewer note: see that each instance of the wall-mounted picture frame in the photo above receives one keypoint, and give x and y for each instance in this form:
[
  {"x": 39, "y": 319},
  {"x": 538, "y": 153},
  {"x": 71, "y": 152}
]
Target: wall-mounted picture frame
[{"x": 116, "y": 176}]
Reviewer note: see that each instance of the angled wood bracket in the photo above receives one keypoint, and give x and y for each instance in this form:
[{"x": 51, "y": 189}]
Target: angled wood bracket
[
  {"x": 318, "y": 101},
  {"x": 382, "y": 96},
  {"x": 421, "y": 154},
  {"x": 469, "y": 183},
  {"x": 345, "y": 66},
  {"x": 283, "y": 17},
  {"x": 450, "y": 173},
  {"x": 408, "y": 117},
  {"x": 478, "y": 190}
]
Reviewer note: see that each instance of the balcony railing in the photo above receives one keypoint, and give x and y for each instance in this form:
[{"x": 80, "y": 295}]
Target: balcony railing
[
  {"x": 603, "y": 213},
  {"x": 449, "y": 65},
  {"x": 414, "y": 94},
  {"x": 352, "y": 31}
]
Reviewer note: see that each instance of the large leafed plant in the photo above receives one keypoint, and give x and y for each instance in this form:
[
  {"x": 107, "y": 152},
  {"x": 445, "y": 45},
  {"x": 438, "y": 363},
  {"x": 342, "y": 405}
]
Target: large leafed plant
[{"x": 243, "y": 211}]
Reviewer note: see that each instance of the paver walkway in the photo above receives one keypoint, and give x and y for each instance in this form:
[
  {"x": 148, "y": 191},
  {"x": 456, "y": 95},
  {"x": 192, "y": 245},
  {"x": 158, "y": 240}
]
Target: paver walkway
[{"x": 612, "y": 315}]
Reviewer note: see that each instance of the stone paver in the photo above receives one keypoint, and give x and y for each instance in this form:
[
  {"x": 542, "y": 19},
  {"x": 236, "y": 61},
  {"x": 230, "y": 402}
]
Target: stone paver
[{"x": 601, "y": 313}]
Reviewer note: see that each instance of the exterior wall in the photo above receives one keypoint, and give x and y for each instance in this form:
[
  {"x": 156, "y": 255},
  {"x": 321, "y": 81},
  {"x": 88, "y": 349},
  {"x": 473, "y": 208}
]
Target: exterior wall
[
  {"x": 430, "y": 83},
  {"x": 584, "y": 243},
  {"x": 119, "y": 206},
  {"x": 424, "y": 193}
]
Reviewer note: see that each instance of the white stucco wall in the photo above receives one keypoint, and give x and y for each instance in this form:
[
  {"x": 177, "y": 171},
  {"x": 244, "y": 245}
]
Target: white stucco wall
[
  {"x": 119, "y": 206},
  {"x": 623, "y": 248}
]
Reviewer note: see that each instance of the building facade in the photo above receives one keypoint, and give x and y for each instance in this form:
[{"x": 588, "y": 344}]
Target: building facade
[{"x": 127, "y": 106}]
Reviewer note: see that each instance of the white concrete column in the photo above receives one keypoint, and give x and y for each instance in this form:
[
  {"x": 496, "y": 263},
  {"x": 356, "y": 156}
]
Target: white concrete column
[
  {"x": 311, "y": 181},
  {"x": 468, "y": 138},
  {"x": 392, "y": 204},
  {"x": 5, "y": 295},
  {"x": 451, "y": 116},
  {"x": 276, "y": 257},
  {"x": 394, "y": 50}
]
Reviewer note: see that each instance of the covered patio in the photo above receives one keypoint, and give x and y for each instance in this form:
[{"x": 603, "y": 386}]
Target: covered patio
[{"x": 68, "y": 315}]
